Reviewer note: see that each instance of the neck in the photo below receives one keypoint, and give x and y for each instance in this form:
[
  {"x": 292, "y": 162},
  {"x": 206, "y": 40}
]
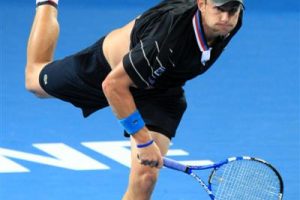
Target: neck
[{"x": 210, "y": 37}]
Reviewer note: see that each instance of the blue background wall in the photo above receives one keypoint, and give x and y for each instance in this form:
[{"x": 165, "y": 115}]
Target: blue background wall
[{"x": 247, "y": 104}]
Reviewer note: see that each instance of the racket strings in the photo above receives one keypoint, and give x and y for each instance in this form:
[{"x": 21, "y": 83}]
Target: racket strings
[
  {"x": 245, "y": 180},
  {"x": 254, "y": 182}
]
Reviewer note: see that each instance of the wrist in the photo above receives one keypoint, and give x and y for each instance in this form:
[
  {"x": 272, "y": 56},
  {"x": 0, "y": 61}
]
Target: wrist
[
  {"x": 133, "y": 123},
  {"x": 144, "y": 145},
  {"x": 142, "y": 136}
]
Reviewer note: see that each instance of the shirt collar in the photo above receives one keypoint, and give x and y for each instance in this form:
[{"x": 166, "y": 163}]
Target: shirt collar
[{"x": 200, "y": 37}]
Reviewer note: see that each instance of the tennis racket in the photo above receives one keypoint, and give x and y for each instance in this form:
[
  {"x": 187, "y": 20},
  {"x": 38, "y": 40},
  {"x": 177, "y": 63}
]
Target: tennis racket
[{"x": 237, "y": 178}]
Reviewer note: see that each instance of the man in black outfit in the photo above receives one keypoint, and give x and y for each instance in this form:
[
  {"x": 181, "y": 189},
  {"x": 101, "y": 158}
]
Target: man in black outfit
[{"x": 139, "y": 70}]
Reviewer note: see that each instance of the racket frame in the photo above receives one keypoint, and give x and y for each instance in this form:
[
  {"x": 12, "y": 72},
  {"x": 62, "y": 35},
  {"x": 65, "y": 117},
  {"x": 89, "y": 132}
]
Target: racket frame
[{"x": 188, "y": 169}]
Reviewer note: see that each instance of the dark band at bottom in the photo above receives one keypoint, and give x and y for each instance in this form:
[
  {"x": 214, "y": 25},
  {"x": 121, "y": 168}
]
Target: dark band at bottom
[{"x": 47, "y": 3}]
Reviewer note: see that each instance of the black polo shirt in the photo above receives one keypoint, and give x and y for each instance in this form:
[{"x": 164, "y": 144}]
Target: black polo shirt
[{"x": 164, "y": 51}]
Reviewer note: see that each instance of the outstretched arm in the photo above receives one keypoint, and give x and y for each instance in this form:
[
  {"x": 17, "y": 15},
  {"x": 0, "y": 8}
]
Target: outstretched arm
[{"x": 116, "y": 89}]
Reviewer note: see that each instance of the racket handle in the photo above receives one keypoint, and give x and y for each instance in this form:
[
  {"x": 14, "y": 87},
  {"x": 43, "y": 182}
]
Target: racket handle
[{"x": 172, "y": 164}]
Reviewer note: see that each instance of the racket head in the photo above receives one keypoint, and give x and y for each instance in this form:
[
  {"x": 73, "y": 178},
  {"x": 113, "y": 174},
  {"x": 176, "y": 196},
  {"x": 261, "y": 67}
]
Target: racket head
[{"x": 246, "y": 178}]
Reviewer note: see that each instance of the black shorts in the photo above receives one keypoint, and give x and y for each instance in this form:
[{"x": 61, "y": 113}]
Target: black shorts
[{"x": 78, "y": 78}]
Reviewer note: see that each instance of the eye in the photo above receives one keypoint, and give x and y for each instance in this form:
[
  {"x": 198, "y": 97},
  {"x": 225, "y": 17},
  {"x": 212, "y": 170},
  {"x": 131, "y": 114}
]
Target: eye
[
  {"x": 220, "y": 9},
  {"x": 233, "y": 11},
  {"x": 230, "y": 11}
]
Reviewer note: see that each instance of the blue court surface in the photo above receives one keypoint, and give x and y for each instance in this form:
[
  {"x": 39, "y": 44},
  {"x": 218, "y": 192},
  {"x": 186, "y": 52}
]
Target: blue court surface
[{"x": 246, "y": 104}]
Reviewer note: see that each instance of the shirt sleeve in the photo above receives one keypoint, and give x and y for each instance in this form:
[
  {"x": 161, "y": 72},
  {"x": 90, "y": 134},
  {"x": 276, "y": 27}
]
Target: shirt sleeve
[{"x": 147, "y": 60}]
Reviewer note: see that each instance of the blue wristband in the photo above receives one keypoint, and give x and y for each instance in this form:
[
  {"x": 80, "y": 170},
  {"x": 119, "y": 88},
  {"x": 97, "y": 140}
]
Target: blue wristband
[
  {"x": 145, "y": 144},
  {"x": 133, "y": 123}
]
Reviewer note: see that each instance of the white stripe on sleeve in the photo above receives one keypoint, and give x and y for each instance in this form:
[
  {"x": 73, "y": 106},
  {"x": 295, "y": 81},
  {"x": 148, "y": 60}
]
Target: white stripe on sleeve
[{"x": 141, "y": 77}]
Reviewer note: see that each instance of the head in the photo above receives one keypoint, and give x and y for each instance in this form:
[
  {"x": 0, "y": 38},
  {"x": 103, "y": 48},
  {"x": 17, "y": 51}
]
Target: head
[{"x": 219, "y": 17}]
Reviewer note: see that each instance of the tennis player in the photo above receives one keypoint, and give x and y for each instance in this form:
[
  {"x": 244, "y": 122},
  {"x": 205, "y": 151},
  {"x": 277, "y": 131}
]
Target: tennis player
[{"x": 138, "y": 70}]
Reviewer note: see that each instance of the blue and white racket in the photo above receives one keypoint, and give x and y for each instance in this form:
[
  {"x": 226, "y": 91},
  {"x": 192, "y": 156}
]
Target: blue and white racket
[{"x": 237, "y": 178}]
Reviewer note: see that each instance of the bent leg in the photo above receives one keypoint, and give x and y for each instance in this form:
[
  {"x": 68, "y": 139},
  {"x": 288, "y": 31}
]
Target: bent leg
[
  {"x": 41, "y": 46},
  {"x": 142, "y": 179}
]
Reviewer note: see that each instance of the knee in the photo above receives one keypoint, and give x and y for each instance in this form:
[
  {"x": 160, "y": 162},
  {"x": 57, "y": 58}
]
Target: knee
[
  {"x": 29, "y": 79},
  {"x": 147, "y": 179},
  {"x": 32, "y": 82}
]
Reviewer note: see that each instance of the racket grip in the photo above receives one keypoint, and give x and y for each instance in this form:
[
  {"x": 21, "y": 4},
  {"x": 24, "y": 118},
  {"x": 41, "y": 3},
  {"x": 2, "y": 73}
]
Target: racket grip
[{"x": 172, "y": 164}]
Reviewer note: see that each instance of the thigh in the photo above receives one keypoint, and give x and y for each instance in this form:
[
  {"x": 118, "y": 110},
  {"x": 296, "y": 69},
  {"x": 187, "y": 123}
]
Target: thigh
[
  {"x": 32, "y": 79},
  {"x": 77, "y": 79}
]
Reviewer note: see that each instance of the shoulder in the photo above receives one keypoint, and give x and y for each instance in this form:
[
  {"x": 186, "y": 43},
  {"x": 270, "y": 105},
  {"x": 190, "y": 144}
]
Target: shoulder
[
  {"x": 162, "y": 18},
  {"x": 168, "y": 9}
]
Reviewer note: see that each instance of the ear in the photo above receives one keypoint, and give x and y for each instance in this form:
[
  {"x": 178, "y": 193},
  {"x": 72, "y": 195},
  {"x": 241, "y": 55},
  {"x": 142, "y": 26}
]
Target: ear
[{"x": 201, "y": 4}]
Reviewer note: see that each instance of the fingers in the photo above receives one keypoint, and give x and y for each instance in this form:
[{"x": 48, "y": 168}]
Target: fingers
[
  {"x": 151, "y": 154},
  {"x": 150, "y": 163}
]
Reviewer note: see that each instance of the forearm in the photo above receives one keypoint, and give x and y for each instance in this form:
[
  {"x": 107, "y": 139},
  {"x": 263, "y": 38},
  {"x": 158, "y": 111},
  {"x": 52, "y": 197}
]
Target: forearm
[
  {"x": 120, "y": 101},
  {"x": 119, "y": 97},
  {"x": 123, "y": 105}
]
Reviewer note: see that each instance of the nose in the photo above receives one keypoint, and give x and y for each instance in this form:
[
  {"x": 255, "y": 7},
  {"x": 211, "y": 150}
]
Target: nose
[{"x": 224, "y": 16}]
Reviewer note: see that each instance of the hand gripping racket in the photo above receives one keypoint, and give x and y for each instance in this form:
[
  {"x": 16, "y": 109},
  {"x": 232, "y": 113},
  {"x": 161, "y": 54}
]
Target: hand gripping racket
[{"x": 237, "y": 178}]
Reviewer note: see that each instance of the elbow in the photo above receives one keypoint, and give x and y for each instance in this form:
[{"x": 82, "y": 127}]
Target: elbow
[
  {"x": 112, "y": 87},
  {"x": 107, "y": 86}
]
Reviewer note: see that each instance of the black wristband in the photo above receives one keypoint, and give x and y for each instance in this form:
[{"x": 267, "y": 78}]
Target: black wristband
[{"x": 47, "y": 3}]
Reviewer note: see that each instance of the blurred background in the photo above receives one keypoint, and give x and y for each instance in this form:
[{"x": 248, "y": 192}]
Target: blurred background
[{"x": 246, "y": 104}]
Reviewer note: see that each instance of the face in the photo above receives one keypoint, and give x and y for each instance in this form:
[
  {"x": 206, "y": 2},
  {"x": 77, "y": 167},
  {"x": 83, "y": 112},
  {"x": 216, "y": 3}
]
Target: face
[{"x": 218, "y": 21}]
